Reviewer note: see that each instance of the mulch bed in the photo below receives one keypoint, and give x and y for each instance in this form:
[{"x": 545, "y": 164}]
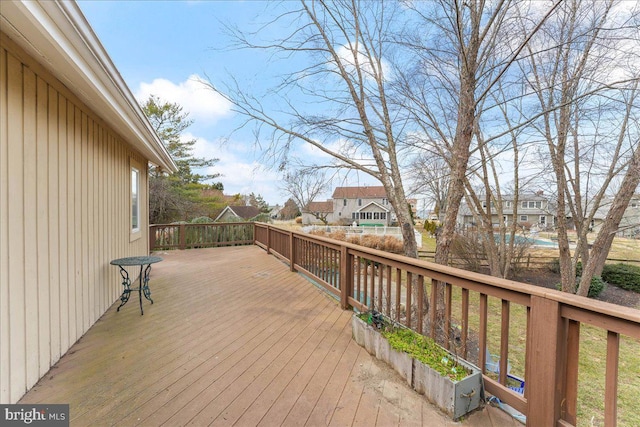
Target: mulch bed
[{"x": 612, "y": 294}]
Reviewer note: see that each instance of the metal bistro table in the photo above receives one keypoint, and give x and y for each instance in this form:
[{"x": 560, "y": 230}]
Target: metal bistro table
[{"x": 143, "y": 280}]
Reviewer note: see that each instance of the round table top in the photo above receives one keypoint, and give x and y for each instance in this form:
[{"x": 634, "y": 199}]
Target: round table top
[{"x": 136, "y": 260}]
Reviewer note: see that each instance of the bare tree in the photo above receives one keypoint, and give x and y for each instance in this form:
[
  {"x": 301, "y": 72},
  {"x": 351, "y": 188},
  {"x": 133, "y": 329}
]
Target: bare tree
[
  {"x": 430, "y": 176},
  {"x": 304, "y": 186},
  {"x": 585, "y": 95},
  {"x": 463, "y": 50},
  {"x": 602, "y": 244},
  {"x": 343, "y": 44}
]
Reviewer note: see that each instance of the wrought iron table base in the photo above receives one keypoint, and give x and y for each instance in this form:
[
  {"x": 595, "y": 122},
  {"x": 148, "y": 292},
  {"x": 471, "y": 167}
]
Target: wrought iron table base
[{"x": 143, "y": 281}]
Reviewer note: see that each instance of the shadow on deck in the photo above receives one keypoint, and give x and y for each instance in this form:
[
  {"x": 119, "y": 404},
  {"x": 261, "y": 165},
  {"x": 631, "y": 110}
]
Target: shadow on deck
[{"x": 233, "y": 338}]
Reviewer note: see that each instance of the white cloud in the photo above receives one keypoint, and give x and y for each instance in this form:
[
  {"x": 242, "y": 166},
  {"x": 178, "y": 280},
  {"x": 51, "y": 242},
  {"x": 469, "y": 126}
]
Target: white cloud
[
  {"x": 202, "y": 104},
  {"x": 367, "y": 64}
]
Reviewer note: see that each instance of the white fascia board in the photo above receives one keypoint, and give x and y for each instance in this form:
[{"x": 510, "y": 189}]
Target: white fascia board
[
  {"x": 58, "y": 34},
  {"x": 373, "y": 203}
]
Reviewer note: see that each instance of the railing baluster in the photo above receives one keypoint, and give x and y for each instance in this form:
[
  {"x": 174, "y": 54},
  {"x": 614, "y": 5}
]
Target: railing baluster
[
  {"x": 388, "y": 301},
  {"x": 398, "y": 288},
  {"x": 433, "y": 312},
  {"x": 380, "y": 284},
  {"x": 504, "y": 342},
  {"x": 448, "y": 289},
  {"x": 420, "y": 304},
  {"x": 611, "y": 380},
  {"x": 571, "y": 371},
  {"x": 372, "y": 285},
  {"x": 465, "y": 321},
  {"x": 359, "y": 280},
  {"x": 408, "y": 299},
  {"x": 482, "y": 333}
]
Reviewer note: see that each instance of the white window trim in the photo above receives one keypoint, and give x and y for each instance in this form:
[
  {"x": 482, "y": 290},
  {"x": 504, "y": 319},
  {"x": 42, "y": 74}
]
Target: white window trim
[{"x": 135, "y": 233}]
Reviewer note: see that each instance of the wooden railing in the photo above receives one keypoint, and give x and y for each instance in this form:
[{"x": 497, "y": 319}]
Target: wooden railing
[
  {"x": 189, "y": 236},
  {"x": 535, "y": 332}
]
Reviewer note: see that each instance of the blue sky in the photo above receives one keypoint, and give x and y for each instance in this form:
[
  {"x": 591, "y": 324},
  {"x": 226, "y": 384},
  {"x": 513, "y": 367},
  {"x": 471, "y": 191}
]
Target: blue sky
[{"x": 163, "y": 47}]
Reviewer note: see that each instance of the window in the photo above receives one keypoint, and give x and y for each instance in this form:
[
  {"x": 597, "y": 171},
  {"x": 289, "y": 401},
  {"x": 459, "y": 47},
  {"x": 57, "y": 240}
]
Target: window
[
  {"x": 524, "y": 218},
  {"x": 385, "y": 201},
  {"x": 531, "y": 205},
  {"x": 507, "y": 204},
  {"x": 354, "y": 215},
  {"x": 369, "y": 215},
  {"x": 543, "y": 219},
  {"x": 135, "y": 232},
  {"x": 344, "y": 202},
  {"x": 383, "y": 215},
  {"x": 359, "y": 202},
  {"x": 376, "y": 215},
  {"x": 484, "y": 205}
]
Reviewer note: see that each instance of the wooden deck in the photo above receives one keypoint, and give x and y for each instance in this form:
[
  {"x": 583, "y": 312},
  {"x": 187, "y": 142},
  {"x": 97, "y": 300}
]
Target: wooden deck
[{"x": 233, "y": 338}]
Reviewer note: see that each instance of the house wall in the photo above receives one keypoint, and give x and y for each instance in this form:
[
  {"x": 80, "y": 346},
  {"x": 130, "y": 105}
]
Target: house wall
[
  {"x": 340, "y": 211},
  {"x": 64, "y": 214}
]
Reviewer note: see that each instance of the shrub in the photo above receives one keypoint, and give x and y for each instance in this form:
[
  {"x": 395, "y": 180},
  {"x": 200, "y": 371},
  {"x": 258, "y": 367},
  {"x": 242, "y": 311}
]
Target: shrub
[
  {"x": 468, "y": 248},
  {"x": 597, "y": 286},
  {"x": 623, "y": 275},
  {"x": 554, "y": 267},
  {"x": 430, "y": 227},
  {"x": 202, "y": 220},
  {"x": 338, "y": 235}
]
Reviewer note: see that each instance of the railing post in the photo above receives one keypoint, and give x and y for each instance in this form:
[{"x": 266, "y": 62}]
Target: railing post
[
  {"x": 544, "y": 361},
  {"x": 255, "y": 239},
  {"x": 292, "y": 257},
  {"x": 152, "y": 238},
  {"x": 346, "y": 277},
  {"x": 183, "y": 236},
  {"x": 268, "y": 239}
]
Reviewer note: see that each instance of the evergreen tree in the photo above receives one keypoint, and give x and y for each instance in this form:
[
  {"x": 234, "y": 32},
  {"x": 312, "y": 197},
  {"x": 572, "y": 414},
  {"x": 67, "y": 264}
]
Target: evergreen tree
[{"x": 181, "y": 195}]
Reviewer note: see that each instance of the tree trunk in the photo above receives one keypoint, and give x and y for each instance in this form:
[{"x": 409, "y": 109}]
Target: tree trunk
[{"x": 603, "y": 241}]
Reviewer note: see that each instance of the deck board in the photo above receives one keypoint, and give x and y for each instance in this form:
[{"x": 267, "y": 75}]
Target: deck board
[{"x": 233, "y": 338}]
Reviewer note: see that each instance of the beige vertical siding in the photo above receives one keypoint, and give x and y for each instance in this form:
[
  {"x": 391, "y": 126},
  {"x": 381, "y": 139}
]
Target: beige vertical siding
[{"x": 64, "y": 214}]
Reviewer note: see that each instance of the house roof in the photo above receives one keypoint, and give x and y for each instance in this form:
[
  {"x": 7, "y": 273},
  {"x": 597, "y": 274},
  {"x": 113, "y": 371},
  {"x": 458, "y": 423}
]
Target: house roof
[
  {"x": 359, "y": 192},
  {"x": 244, "y": 212},
  {"x": 58, "y": 35},
  {"x": 320, "y": 206}
]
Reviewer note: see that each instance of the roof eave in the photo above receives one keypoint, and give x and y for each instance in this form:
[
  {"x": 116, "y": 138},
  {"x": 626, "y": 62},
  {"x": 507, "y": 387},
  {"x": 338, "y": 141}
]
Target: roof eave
[{"x": 59, "y": 36}]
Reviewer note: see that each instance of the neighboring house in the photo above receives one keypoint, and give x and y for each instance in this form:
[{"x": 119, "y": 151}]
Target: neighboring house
[
  {"x": 274, "y": 211},
  {"x": 316, "y": 212},
  {"x": 360, "y": 205},
  {"x": 74, "y": 153},
  {"x": 538, "y": 211},
  {"x": 630, "y": 223},
  {"x": 533, "y": 209},
  {"x": 237, "y": 213}
]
